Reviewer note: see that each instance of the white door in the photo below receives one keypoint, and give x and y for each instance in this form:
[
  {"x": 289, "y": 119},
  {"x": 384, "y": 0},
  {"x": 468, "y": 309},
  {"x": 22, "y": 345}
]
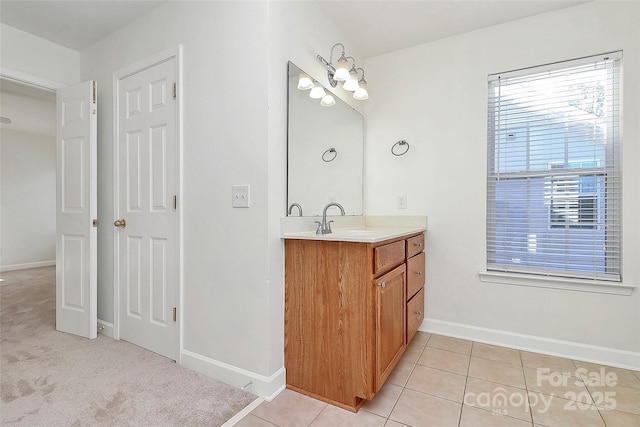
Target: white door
[
  {"x": 76, "y": 210},
  {"x": 147, "y": 225}
]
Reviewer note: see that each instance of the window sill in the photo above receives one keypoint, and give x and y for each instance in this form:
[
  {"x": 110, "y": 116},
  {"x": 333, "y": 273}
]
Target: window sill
[{"x": 594, "y": 286}]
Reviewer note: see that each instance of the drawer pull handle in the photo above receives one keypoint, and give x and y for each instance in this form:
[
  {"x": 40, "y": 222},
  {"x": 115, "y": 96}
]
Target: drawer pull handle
[
  {"x": 419, "y": 273},
  {"x": 419, "y": 244},
  {"x": 382, "y": 285},
  {"x": 419, "y": 313}
]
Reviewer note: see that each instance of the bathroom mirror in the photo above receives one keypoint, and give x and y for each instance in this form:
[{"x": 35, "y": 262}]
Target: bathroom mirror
[{"x": 325, "y": 152}]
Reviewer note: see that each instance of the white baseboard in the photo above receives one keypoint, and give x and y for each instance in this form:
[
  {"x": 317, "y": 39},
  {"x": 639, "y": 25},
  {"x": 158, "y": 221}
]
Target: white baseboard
[
  {"x": 553, "y": 347},
  {"x": 27, "y": 265},
  {"x": 266, "y": 387},
  {"x": 105, "y": 328}
]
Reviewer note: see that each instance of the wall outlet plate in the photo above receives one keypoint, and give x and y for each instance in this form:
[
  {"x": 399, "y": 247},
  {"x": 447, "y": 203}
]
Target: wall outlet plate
[
  {"x": 240, "y": 196},
  {"x": 402, "y": 201}
]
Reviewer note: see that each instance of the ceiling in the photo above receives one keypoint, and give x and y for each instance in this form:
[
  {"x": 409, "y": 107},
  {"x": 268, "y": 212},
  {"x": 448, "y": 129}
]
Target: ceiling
[{"x": 375, "y": 27}]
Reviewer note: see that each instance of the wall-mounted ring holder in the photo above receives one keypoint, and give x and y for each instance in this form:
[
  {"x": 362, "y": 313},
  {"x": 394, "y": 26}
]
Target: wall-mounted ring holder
[
  {"x": 327, "y": 155},
  {"x": 397, "y": 148}
]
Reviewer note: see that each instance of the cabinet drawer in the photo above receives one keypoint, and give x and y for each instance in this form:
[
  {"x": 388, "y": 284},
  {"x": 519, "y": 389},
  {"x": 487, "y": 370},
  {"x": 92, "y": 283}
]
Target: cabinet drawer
[
  {"x": 388, "y": 256},
  {"x": 415, "y": 314},
  {"x": 415, "y": 274},
  {"x": 415, "y": 245}
]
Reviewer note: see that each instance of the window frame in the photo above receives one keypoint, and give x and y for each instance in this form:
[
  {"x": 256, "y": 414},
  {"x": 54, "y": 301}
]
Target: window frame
[{"x": 566, "y": 279}]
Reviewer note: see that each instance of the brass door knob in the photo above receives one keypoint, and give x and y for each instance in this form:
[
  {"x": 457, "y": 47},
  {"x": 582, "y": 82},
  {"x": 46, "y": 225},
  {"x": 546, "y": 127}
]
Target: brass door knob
[{"x": 120, "y": 223}]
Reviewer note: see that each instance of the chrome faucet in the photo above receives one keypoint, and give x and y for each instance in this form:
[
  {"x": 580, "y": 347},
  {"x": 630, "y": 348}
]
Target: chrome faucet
[
  {"x": 295, "y": 205},
  {"x": 324, "y": 227}
]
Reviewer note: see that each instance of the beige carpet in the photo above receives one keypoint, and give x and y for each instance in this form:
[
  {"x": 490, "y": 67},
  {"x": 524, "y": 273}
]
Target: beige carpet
[{"x": 50, "y": 378}]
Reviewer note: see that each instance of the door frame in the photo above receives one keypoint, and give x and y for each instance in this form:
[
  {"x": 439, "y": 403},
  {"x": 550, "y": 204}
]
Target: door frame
[{"x": 118, "y": 75}]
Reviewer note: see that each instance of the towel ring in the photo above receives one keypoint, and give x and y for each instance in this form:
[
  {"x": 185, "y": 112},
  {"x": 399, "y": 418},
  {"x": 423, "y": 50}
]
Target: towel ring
[
  {"x": 397, "y": 144},
  {"x": 326, "y": 155}
]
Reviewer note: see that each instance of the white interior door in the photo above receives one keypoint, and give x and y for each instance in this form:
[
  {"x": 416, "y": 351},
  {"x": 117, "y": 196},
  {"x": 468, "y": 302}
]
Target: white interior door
[
  {"x": 147, "y": 224},
  {"x": 76, "y": 210}
]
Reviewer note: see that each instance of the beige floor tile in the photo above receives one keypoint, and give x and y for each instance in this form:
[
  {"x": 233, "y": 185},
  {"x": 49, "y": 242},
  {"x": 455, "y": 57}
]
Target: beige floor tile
[
  {"x": 553, "y": 363},
  {"x": 625, "y": 399},
  {"x": 391, "y": 423},
  {"x": 498, "y": 372},
  {"x": 445, "y": 360},
  {"x": 474, "y": 417},
  {"x": 384, "y": 401},
  {"x": 437, "y": 383},
  {"x": 413, "y": 352},
  {"x": 594, "y": 374},
  {"x": 557, "y": 412},
  {"x": 492, "y": 352},
  {"x": 290, "y": 409},
  {"x": 557, "y": 384},
  {"x": 252, "y": 421},
  {"x": 400, "y": 373},
  {"x": 421, "y": 337},
  {"x": 332, "y": 416},
  {"x": 450, "y": 344},
  {"x": 497, "y": 398},
  {"x": 419, "y": 409},
  {"x": 620, "y": 419}
]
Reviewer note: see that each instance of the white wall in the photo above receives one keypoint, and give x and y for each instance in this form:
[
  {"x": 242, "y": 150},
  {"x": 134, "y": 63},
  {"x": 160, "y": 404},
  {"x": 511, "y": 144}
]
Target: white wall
[
  {"x": 27, "y": 199},
  {"x": 442, "y": 114},
  {"x": 34, "y": 56},
  {"x": 235, "y": 73}
]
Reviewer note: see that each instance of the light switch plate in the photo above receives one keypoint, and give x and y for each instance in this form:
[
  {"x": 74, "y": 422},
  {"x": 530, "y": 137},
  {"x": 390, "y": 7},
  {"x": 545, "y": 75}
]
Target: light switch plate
[{"x": 240, "y": 196}]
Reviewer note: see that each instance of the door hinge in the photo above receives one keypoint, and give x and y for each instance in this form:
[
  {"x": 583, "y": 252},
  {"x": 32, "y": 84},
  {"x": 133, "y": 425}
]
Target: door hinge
[
  {"x": 175, "y": 314},
  {"x": 175, "y": 202},
  {"x": 94, "y": 222},
  {"x": 175, "y": 90},
  {"x": 95, "y": 91}
]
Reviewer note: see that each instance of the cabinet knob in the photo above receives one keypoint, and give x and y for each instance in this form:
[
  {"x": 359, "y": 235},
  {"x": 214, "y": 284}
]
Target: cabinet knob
[
  {"x": 419, "y": 244},
  {"x": 418, "y": 313},
  {"x": 382, "y": 285},
  {"x": 419, "y": 273}
]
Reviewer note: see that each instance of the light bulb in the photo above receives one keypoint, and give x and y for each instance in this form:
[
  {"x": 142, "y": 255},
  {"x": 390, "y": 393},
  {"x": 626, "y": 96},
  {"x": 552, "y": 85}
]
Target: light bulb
[
  {"x": 342, "y": 70},
  {"x": 362, "y": 92},
  {"x": 304, "y": 81},
  {"x": 317, "y": 92},
  {"x": 328, "y": 100},
  {"x": 350, "y": 85}
]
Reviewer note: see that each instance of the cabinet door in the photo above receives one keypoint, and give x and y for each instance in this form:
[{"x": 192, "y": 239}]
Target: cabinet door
[{"x": 390, "y": 322}]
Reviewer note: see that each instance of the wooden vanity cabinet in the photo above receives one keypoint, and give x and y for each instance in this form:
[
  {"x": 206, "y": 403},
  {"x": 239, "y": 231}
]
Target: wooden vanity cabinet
[{"x": 346, "y": 308}]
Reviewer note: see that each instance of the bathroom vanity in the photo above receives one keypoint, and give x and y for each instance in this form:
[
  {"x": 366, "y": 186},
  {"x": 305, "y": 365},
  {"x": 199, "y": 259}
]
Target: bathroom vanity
[{"x": 354, "y": 299}]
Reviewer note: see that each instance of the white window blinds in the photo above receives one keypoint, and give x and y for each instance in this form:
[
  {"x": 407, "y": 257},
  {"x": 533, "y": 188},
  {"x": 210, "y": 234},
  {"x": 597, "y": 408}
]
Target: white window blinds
[{"x": 554, "y": 181}]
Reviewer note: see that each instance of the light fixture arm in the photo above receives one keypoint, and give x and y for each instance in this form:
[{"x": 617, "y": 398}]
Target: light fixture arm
[
  {"x": 362, "y": 78},
  {"x": 331, "y": 53}
]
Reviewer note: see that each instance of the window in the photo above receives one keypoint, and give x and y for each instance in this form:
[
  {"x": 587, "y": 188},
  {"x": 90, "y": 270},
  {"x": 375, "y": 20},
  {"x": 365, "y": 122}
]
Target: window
[{"x": 553, "y": 173}]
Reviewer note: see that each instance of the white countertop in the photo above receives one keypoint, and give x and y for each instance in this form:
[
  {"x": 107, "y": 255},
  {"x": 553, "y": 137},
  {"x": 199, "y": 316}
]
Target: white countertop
[{"x": 365, "y": 229}]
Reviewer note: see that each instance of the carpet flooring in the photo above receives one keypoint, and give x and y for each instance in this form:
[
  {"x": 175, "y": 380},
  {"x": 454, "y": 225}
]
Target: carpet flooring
[{"x": 49, "y": 378}]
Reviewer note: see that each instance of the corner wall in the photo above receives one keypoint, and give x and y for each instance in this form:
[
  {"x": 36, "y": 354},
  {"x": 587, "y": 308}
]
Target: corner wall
[{"x": 442, "y": 114}]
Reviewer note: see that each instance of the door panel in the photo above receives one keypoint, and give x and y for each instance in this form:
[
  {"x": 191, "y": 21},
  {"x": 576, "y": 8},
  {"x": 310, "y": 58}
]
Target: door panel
[
  {"x": 147, "y": 182},
  {"x": 76, "y": 207}
]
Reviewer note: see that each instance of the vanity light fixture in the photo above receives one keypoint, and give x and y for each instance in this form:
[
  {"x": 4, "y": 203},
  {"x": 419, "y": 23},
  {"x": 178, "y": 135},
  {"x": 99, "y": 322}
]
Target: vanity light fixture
[{"x": 340, "y": 72}]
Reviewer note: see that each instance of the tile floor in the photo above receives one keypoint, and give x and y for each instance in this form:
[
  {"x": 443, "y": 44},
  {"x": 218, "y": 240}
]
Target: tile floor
[{"x": 444, "y": 381}]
